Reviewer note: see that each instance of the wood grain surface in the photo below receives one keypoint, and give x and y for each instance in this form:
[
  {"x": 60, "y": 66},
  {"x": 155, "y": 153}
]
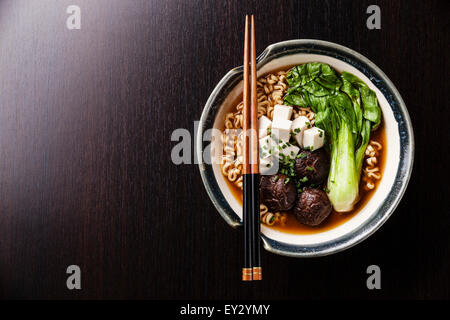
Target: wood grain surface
[{"x": 86, "y": 178}]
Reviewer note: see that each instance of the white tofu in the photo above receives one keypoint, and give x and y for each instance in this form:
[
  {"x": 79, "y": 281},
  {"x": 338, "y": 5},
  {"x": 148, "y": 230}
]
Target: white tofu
[
  {"x": 265, "y": 145},
  {"x": 264, "y": 123},
  {"x": 287, "y": 150},
  {"x": 268, "y": 166},
  {"x": 313, "y": 138},
  {"x": 281, "y": 112},
  {"x": 299, "y": 125},
  {"x": 281, "y": 130}
]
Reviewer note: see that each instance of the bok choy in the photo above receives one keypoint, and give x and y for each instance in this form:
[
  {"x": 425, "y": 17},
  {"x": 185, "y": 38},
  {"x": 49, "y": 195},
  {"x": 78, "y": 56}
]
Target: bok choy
[{"x": 347, "y": 110}]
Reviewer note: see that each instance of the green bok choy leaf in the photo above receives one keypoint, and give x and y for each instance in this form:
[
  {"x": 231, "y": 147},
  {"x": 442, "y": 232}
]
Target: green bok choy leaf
[{"x": 347, "y": 110}]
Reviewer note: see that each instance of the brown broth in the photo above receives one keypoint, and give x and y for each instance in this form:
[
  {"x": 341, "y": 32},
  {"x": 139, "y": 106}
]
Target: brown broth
[{"x": 292, "y": 225}]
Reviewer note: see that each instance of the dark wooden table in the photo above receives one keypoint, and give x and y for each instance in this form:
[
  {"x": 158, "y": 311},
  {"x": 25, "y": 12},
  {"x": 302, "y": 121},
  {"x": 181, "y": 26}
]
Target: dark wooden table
[{"x": 85, "y": 172}]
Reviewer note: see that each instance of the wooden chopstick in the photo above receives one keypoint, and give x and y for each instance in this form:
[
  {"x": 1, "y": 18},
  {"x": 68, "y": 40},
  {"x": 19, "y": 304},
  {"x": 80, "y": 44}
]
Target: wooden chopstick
[
  {"x": 255, "y": 230},
  {"x": 247, "y": 270},
  {"x": 254, "y": 107}
]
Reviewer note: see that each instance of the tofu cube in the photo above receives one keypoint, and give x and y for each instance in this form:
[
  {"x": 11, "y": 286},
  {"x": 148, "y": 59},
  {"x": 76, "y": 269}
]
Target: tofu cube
[
  {"x": 287, "y": 150},
  {"x": 313, "y": 138},
  {"x": 281, "y": 112},
  {"x": 281, "y": 130},
  {"x": 299, "y": 125},
  {"x": 264, "y": 123},
  {"x": 266, "y": 144},
  {"x": 268, "y": 166}
]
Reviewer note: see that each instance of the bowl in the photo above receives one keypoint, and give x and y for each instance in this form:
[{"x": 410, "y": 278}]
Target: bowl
[{"x": 398, "y": 162}]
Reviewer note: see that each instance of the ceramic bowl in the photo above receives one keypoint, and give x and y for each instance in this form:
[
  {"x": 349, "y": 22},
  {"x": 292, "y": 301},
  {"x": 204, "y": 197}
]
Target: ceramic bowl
[{"x": 399, "y": 140}]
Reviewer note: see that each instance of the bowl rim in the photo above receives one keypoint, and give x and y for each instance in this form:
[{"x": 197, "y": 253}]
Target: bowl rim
[{"x": 406, "y": 160}]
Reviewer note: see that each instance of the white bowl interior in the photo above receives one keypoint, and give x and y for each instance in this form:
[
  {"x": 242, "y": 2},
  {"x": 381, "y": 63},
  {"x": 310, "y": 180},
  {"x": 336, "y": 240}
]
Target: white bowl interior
[{"x": 390, "y": 167}]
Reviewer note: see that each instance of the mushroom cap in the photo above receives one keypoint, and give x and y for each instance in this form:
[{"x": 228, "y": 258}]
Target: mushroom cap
[
  {"x": 314, "y": 165},
  {"x": 312, "y": 207},
  {"x": 276, "y": 194}
]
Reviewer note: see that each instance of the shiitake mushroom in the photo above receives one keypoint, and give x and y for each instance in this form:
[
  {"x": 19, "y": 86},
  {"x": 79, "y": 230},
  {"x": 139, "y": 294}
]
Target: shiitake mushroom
[
  {"x": 278, "y": 192},
  {"x": 312, "y": 207},
  {"x": 314, "y": 165}
]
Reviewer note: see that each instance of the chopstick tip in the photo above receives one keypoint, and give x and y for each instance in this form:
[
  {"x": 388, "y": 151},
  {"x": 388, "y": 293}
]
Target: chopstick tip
[
  {"x": 257, "y": 273},
  {"x": 247, "y": 274}
]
